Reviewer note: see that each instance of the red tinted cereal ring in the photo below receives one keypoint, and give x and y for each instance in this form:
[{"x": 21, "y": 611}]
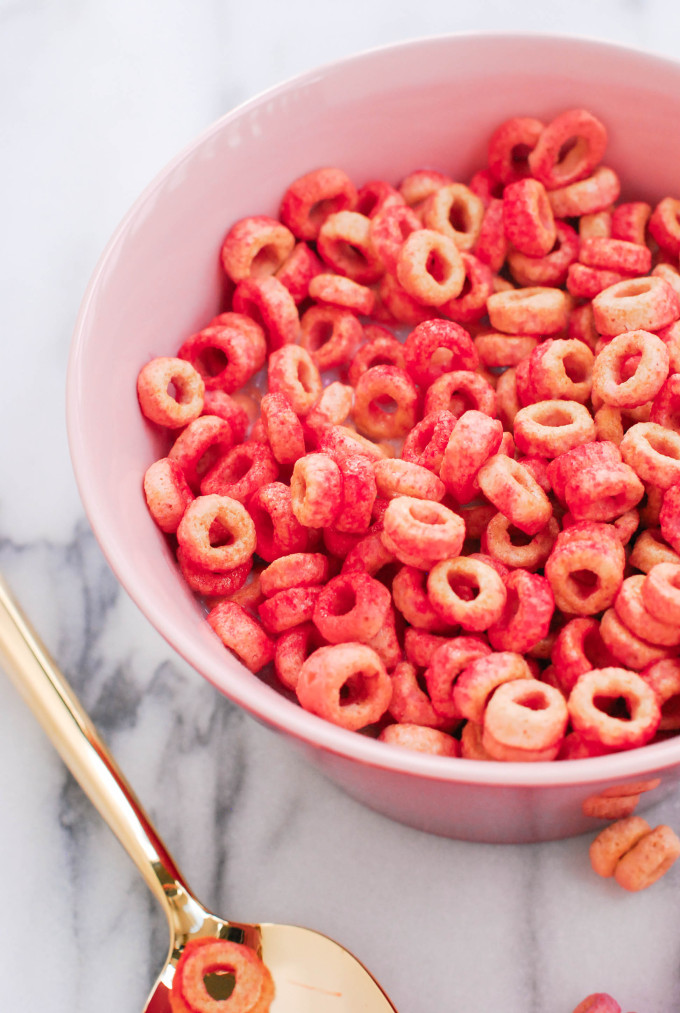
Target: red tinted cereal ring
[
  {"x": 467, "y": 592},
  {"x": 446, "y": 664},
  {"x": 525, "y": 720},
  {"x": 561, "y": 368},
  {"x": 661, "y": 592},
  {"x": 410, "y": 704},
  {"x": 617, "y": 388},
  {"x": 587, "y": 706},
  {"x": 297, "y": 271},
  {"x": 631, "y": 609},
  {"x": 170, "y": 392},
  {"x": 528, "y": 219},
  {"x": 636, "y": 304},
  {"x": 430, "y": 267},
  {"x": 385, "y": 403},
  {"x": 653, "y": 453},
  {"x": 311, "y": 198},
  {"x": 344, "y": 244},
  {"x": 486, "y": 185},
  {"x": 585, "y": 282},
  {"x": 514, "y": 491},
  {"x": 420, "y": 645},
  {"x": 492, "y": 245},
  {"x": 228, "y": 352},
  {"x": 438, "y": 346},
  {"x": 666, "y": 405},
  {"x": 270, "y": 304},
  {"x": 421, "y": 739},
  {"x": 289, "y": 608},
  {"x": 409, "y": 595},
  {"x": 316, "y": 490},
  {"x": 627, "y": 647},
  {"x": 292, "y": 372},
  {"x": 386, "y": 643},
  {"x": 629, "y": 221},
  {"x": 585, "y": 568},
  {"x": 551, "y": 269},
  {"x": 369, "y": 555},
  {"x": 376, "y": 195},
  {"x": 241, "y": 471},
  {"x": 352, "y": 606},
  {"x": 612, "y": 843},
  {"x": 359, "y": 491},
  {"x": 212, "y": 583},
  {"x": 648, "y": 860},
  {"x": 615, "y": 255},
  {"x": 568, "y": 148},
  {"x": 293, "y": 647},
  {"x": 510, "y": 145},
  {"x": 255, "y": 247},
  {"x": 476, "y": 683},
  {"x": 194, "y": 532},
  {"x": 460, "y": 391},
  {"x": 537, "y": 310},
  {"x": 510, "y": 546},
  {"x": 253, "y": 988},
  {"x": 470, "y": 305},
  {"x": 527, "y": 613},
  {"x": 550, "y": 428},
  {"x": 341, "y": 442},
  {"x": 455, "y": 203},
  {"x": 330, "y": 334},
  {"x": 474, "y": 439},
  {"x": 604, "y": 493},
  {"x": 395, "y": 477},
  {"x": 204, "y": 441},
  {"x": 342, "y": 292},
  {"x": 218, "y": 402},
  {"x": 382, "y": 351},
  {"x": 578, "y": 648},
  {"x": 277, "y": 529},
  {"x": 389, "y": 230},
  {"x": 282, "y": 428},
  {"x": 167, "y": 493},
  {"x": 664, "y": 225},
  {"x": 420, "y": 532},
  {"x": 242, "y": 634},
  {"x": 346, "y": 684},
  {"x": 296, "y": 569},
  {"x": 497, "y": 350},
  {"x": 598, "y": 1002},
  {"x": 587, "y": 196},
  {"x": 426, "y": 442}
]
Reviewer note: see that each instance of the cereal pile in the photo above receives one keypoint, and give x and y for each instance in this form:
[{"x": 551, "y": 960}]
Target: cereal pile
[{"x": 453, "y": 517}]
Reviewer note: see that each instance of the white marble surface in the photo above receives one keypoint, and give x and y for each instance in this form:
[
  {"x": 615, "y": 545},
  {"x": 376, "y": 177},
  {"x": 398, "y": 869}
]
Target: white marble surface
[{"x": 97, "y": 96}]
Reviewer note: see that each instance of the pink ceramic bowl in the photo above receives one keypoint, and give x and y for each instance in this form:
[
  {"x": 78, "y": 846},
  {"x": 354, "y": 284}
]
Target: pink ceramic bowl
[{"x": 431, "y": 102}]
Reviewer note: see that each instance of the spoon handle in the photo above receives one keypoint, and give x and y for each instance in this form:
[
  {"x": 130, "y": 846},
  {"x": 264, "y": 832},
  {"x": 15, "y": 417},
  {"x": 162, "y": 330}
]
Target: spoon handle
[{"x": 62, "y": 716}]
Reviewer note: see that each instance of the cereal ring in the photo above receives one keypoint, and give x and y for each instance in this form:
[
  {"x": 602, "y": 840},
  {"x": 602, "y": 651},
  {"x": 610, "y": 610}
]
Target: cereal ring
[
  {"x": 585, "y": 282},
  {"x": 255, "y": 247},
  {"x": 421, "y": 532},
  {"x": 451, "y": 203},
  {"x": 343, "y": 293},
  {"x": 277, "y": 529},
  {"x": 293, "y": 647},
  {"x": 167, "y": 493},
  {"x": 648, "y": 860},
  {"x": 427, "y": 441},
  {"x": 458, "y": 392},
  {"x": 497, "y": 350},
  {"x": 253, "y": 988},
  {"x": 629, "y": 221},
  {"x": 346, "y": 684},
  {"x": 515, "y": 493},
  {"x": 511, "y": 547},
  {"x": 536, "y": 310},
  {"x": 528, "y": 218},
  {"x": 650, "y": 549},
  {"x": 597, "y": 691},
  {"x": 446, "y": 664},
  {"x": 626, "y": 647},
  {"x": 212, "y": 583},
  {"x": 476, "y": 683},
  {"x": 385, "y": 403},
  {"x": 578, "y": 648},
  {"x": 612, "y": 843},
  {"x": 664, "y": 678},
  {"x": 620, "y": 389},
  {"x": 585, "y": 568},
  {"x": 395, "y": 477},
  {"x": 630, "y": 607},
  {"x": 241, "y": 471},
  {"x": 291, "y": 371},
  {"x": 568, "y": 149},
  {"x": 492, "y": 246},
  {"x": 410, "y": 704},
  {"x": 359, "y": 491},
  {"x": 653, "y": 453},
  {"x": 296, "y": 569},
  {"x": 297, "y": 271},
  {"x": 561, "y": 369},
  {"x": 316, "y": 490},
  {"x": 552, "y": 269},
  {"x": 282, "y": 428},
  {"x": 421, "y": 739},
  {"x": 388, "y": 231},
  {"x": 509, "y": 147},
  {"x": 598, "y": 1002},
  {"x": 604, "y": 493},
  {"x": 330, "y": 335},
  {"x": 352, "y": 606},
  {"x": 474, "y": 439},
  {"x": 646, "y": 304},
  {"x": 209, "y": 518},
  {"x": 527, "y": 613},
  {"x": 242, "y": 634},
  {"x": 525, "y": 720},
  {"x": 551, "y": 428},
  {"x": 438, "y": 346},
  {"x": 430, "y": 267},
  {"x": 664, "y": 225},
  {"x": 587, "y": 196},
  {"x": 466, "y": 592},
  {"x": 224, "y": 406},
  {"x": 170, "y": 392},
  {"x": 288, "y": 608},
  {"x": 661, "y": 592},
  {"x": 478, "y": 285},
  {"x": 409, "y": 595},
  {"x": 344, "y": 243},
  {"x": 312, "y": 198}
]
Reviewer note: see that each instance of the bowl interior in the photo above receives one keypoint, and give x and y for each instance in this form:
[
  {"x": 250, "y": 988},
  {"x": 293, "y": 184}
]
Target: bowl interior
[{"x": 428, "y": 103}]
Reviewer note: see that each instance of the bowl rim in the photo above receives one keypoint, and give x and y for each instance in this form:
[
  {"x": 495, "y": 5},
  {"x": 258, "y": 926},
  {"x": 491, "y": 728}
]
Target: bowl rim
[{"x": 282, "y": 714}]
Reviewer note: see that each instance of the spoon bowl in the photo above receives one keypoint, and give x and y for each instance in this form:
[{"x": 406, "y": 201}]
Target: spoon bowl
[{"x": 311, "y": 973}]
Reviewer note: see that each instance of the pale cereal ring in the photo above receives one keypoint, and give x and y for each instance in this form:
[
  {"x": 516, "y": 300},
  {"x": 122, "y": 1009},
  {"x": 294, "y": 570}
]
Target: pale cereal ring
[
  {"x": 525, "y": 720},
  {"x": 636, "y": 304},
  {"x": 588, "y": 702},
  {"x": 170, "y": 392},
  {"x": 612, "y": 843},
  {"x": 420, "y": 739},
  {"x": 346, "y": 684},
  {"x": 467, "y": 592},
  {"x": 648, "y": 860},
  {"x": 198, "y": 527}
]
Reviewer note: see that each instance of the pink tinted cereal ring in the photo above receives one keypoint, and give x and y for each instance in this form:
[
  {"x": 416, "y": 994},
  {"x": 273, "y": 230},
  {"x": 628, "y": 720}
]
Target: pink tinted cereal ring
[
  {"x": 629, "y": 221},
  {"x": 297, "y": 271},
  {"x": 241, "y": 471},
  {"x": 476, "y": 683},
  {"x": 497, "y": 350},
  {"x": 330, "y": 334},
  {"x": 664, "y": 678},
  {"x": 648, "y": 859},
  {"x": 359, "y": 491},
  {"x": 420, "y": 184},
  {"x": 492, "y": 245},
  {"x": 388, "y": 231},
  {"x": 612, "y": 843},
  {"x": 269, "y": 303},
  {"x": 568, "y": 149},
  {"x": 228, "y": 352},
  {"x": 426, "y": 442},
  {"x": 409, "y": 595},
  {"x": 311, "y": 198},
  {"x": 283, "y": 428},
  {"x": 578, "y": 648},
  {"x": 652, "y": 364},
  {"x": 467, "y": 592},
  {"x": 514, "y": 491},
  {"x": 604, "y": 493},
  {"x": 528, "y": 219},
  {"x": 551, "y": 269},
  {"x": 587, "y": 196},
  {"x": 474, "y": 439},
  {"x": 536, "y": 310},
  {"x": 342, "y": 292},
  {"x": 458, "y": 392},
  {"x": 664, "y": 225},
  {"x": 402, "y": 478},
  {"x": 385, "y": 403},
  {"x": 666, "y": 405},
  {"x": 653, "y": 453},
  {"x": 430, "y": 267},
  {"x": 661, "y": 592},
  {"x": 376, "y": 195},
  {"x": 585, "y": 282},
  {"x": 242, "y": 634},
  {"x": 253, "y": 988},
  {"x": 420, "y": 645},
  {"x": 296, "y": 569},
  {"x": 196, "y": 532},
  {"x": 635, "y": 304},
  {"x": 632, "y": 726},
  {"x": 525, "y": 720},
  {"x": 455, "y": 203},
  {"x": 224, "y": 406},
  {"x": 438, "y": 346},
  {"x": 344, "y": 244},
  {"x": 631, "y": 609},
  {"x": 167, "y": 493},
  {"x": 198, "y": 447},
  {"x": 512, "y": 547},
  {"x": 598, "y": 1002},
  {"x": 352, "y": 606},
  {"x": 486, "y": 185},
  {"x": 170, "y": 392},
  {"x": 381, "y": 351},
  {"x": 567, "y": 466},
  {"x": 585, "y": 568},
  {"x": 410, "y": 704},
  {"x": 421, "y": 739},
  {"x": 615, "y": 255},
  {"x": 550, "y": 428},
  {"x": 255, "y": 247},
  {"x": 627, "y": 647},
  {"x": 446, "y": 664},
  {"x": 277, "y": 529},
  {"x": 561, "y": 368},
  {"x": 369, "y": 555},
  {"x": 316, "y": 490},
  {"x": 212, "y": 583},
  {"x": 292, "y": 372},
  {"x": 289, "y": 608},
  {"x": 470, "y": 306},
  {"x": 341, "y": 442},
  {"x": 527, "y": 613},
  {"x": 420, "y": 532},
  {"x": 509, "y": 147},
  {"x": 346, "y": 684},
  {"x": 293, "y": 647}
]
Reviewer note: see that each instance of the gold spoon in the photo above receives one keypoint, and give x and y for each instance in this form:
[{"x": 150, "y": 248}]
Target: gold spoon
[{"x": 312, "y": 973}]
